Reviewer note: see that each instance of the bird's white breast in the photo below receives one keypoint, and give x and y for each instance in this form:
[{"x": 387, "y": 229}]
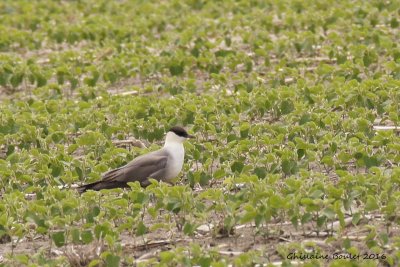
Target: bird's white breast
[{"x": 175, "y": 160}]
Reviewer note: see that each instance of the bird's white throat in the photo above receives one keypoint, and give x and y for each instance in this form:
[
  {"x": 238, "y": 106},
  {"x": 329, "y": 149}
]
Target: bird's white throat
[
  {"x": 173, "y": 138},
  {"x": 174, "y": 146}
]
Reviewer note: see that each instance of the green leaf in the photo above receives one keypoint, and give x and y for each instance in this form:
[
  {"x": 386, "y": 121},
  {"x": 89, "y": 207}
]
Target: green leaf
[
  {"x": 237, "y": 166},
  {"x": 3, "y": 78},
  {"x": 112, "y": 260},
  {"x": 307, "y": 217},
  {"x": 188, "y": 229},
  {"x": 384, "y": 238},
  {"x": 79, "y": 172},
  {"x": 248, "y": 216},
  {"x": 166, "y": 256},
  {"x": 305, "y": 118},
  {"x": 338, "y": 210},
  {"x": 74, "y": 82},
  {"x": 394, "y": 23},
  {"x": 224, "y": 53},
  {"x": 286, "y": 107},
  {"x": 141, "y": 229},
  {"x": 316, "y": 194},
  {"x": 40, "y": 79},
  {"x": 260, "y": 172},
  {"x": 370, "y": 161},
  {"x": 57, "y": 137},
  {"x": 174, "y": 205},
  {"x": 101, "y": 230},
  {"x": 22, "y": 258},
  {"x": 204, "y": 179},
  {"x": 329, "y": 213},
  {"x": 60, "y": 76},
  {"x": 176, "y": 68},
  {"x": 59, "y": 238},
  {"x": 218, "y": 174},
  {"x": 328, "y": 160},
  {"x": 321, "y": 220},
  {"x": 346, "y": 243},
  {"x": 91, "y": 81},
  {"x": 244, "y": 130},
  {"x": 289, "y": 166},
  {"x": 295, "y": 221},
  {"x": 89, "y": 138},
  {"x": 371, "y": 203},
  {"x": 16, "y": 79},
  {"x": 87, "y": 236},
  {"x": 276, "y": 202},
  {"x": 356, "y": 218},
  {"x": 75, "y": 236},
  {"x": 344, "y": 157},
  {"x": 300, "y": 153},
  {"x": 369, "y": 58},
  {"x": 95, "y": 263},
  {"x": 205, "y": 261}
]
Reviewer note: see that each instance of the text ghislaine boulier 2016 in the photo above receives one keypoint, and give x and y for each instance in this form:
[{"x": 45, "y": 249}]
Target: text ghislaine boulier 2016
[{"x": 335, "y": 256}]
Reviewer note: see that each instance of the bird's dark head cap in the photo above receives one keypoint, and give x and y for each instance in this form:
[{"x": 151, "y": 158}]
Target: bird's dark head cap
[{"x": 180, "y": 131}]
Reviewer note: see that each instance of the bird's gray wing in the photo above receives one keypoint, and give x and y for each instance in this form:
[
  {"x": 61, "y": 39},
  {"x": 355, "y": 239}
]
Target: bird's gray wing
[{"x": 149, "y": 165}]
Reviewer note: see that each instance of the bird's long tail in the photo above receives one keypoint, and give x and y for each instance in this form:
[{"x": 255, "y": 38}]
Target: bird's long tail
[{"x": 101, "y": 185}]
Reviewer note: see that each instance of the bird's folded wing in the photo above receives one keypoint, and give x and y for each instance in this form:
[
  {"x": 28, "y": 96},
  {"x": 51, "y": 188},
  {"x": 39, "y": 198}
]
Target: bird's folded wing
[{"x": 138, "y": 170}]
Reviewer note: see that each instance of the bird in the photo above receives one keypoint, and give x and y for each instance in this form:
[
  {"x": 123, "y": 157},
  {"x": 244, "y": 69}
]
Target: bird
[{"x": 163, "y": 165}]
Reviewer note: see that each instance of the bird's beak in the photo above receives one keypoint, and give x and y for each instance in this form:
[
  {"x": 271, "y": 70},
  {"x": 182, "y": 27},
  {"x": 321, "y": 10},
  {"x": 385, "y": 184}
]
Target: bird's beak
[{"x": 191, "y": 136}]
